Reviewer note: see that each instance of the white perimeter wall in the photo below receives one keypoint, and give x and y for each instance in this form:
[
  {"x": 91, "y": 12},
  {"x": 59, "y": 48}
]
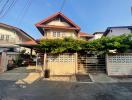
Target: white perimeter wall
[{"x": 119, "y": 64}]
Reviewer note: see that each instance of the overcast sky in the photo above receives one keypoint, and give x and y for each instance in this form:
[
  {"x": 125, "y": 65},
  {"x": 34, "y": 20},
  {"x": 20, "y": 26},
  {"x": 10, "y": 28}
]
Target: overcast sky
[{"x": 90, "y": 15}]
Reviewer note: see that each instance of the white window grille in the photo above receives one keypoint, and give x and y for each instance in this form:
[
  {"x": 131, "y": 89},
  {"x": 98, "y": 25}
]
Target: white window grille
[
  {"x": 120, "y": 58},
  {"x": 61, "y": 58}
]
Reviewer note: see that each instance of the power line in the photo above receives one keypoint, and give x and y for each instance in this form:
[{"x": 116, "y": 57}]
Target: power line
[
  {"x": 9, "y": 8},
  {"x": 62, "y": 6},
  {"x": 25, "y": 9},
  {"x": 1, "y": 1},
  {"x": 4, "y": 6}
]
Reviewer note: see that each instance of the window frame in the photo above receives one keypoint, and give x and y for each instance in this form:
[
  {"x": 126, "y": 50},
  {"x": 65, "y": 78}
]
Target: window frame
[{"x": 56, "y": 34}]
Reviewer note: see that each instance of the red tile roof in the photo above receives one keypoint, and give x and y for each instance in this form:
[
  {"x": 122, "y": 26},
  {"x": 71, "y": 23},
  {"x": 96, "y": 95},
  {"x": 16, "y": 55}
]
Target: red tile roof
[
  {"x": 41, "y": 24},
  {"x": 83, "y": 34},
  {"x": 29, "y": 43}
]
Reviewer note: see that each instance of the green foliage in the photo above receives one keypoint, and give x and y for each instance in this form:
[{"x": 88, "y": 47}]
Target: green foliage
[
  {"x": 23, "y": 51},
  {"x": 60, "y": 45},
  {"x": 121, "y": 43}
]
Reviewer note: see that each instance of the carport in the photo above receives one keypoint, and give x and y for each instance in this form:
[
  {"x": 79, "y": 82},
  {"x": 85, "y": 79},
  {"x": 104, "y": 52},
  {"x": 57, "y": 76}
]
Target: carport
[{"x": 29, "y": 44}]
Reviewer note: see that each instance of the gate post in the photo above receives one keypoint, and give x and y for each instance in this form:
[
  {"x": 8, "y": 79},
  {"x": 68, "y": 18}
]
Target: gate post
[
  {"x": 4, "y": 61},
  {"x": 76, "y": 63},
  {"x": 45, "y": 58}
]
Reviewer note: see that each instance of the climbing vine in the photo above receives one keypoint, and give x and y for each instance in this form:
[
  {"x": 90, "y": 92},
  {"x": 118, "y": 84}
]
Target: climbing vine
[{"x": 120, "y": 43}]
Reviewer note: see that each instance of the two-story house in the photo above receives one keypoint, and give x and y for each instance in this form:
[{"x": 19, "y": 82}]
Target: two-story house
[
  {"x": 59, "y": 26},
  {"x": 10, "y": 37}
]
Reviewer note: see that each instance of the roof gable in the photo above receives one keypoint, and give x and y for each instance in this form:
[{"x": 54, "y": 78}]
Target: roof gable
[
  {"x": 44, "y": 23},
  {"x": 17, "y": 30}
]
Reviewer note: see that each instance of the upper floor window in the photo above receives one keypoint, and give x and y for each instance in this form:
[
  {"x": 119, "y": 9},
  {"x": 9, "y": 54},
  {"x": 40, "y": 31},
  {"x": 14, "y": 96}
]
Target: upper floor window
[
  {"x": 7, "y": 37},
  {"x": 4, "y": 37},
  {"x": 56, "y": 34}
]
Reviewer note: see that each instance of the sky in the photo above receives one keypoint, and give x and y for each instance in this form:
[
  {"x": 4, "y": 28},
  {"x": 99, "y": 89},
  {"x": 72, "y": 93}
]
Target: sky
[{"x": 91, "y": 15}]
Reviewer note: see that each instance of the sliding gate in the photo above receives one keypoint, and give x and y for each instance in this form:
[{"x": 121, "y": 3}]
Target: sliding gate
[{"x": 89, "y": 63}]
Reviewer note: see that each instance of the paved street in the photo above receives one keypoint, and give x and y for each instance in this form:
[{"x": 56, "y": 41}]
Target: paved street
[{"x": 53, "y": 90}]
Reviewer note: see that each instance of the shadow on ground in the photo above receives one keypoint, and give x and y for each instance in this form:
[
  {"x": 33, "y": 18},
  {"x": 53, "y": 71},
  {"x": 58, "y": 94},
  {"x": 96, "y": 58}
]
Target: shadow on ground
[{"x": 55, "y": 90}]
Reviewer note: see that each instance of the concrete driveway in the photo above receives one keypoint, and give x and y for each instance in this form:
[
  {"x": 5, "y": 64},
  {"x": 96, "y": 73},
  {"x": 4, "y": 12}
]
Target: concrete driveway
[{"x": 53, "y": 90}]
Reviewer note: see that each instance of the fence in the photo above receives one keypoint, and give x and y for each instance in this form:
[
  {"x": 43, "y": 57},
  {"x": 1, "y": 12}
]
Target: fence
[
  {"x": 88, "y": 63},
  {"x": 62, "y": 64},
  {"x": 119, "y": 64}
]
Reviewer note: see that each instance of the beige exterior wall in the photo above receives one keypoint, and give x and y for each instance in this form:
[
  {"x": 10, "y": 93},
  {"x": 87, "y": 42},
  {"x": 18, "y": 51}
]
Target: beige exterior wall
[
  {"x": 14, "y": 38},
  {"x": 62, "y": 64},
  {"x": 58, "y": 23},
  {"x": 119, "y": 64},
  {"x": 61, "y": 68},
  {"x": 63, "y": 33}
]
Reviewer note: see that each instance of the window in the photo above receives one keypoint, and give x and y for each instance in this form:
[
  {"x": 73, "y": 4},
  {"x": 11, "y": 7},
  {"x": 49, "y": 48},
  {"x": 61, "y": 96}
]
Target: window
[
  {"x": 7, "y": 37},
  {"x": 2, "y": 37},
  {"x": 56, "y": 34}
]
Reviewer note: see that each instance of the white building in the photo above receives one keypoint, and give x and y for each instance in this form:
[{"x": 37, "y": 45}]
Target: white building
[
  {"x": 116, "y": 31},
  {"x": 97, "y": 35}
]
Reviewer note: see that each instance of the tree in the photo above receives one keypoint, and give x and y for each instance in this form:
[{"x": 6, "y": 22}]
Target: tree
[{"x": 121, "y": 43}]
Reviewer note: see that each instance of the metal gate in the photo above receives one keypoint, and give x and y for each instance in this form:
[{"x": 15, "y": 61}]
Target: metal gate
[
  {"x": 88, "y": 63},
  {"x": 0, "y": 58}
]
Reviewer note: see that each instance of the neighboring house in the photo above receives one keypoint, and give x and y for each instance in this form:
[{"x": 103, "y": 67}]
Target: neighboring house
[
  {"x": 116, "y": 31},
  {"x": 98, "y": 35},
  {"x": 85, "y": 36},
  {"x": 118, "y": 64},
  {"x": 10, "y": 37}
]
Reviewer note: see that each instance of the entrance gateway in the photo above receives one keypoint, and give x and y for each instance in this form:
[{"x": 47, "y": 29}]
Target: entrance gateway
[
  {"x": 91, "y": 63},
  {"x": 73, "y": 63}
]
